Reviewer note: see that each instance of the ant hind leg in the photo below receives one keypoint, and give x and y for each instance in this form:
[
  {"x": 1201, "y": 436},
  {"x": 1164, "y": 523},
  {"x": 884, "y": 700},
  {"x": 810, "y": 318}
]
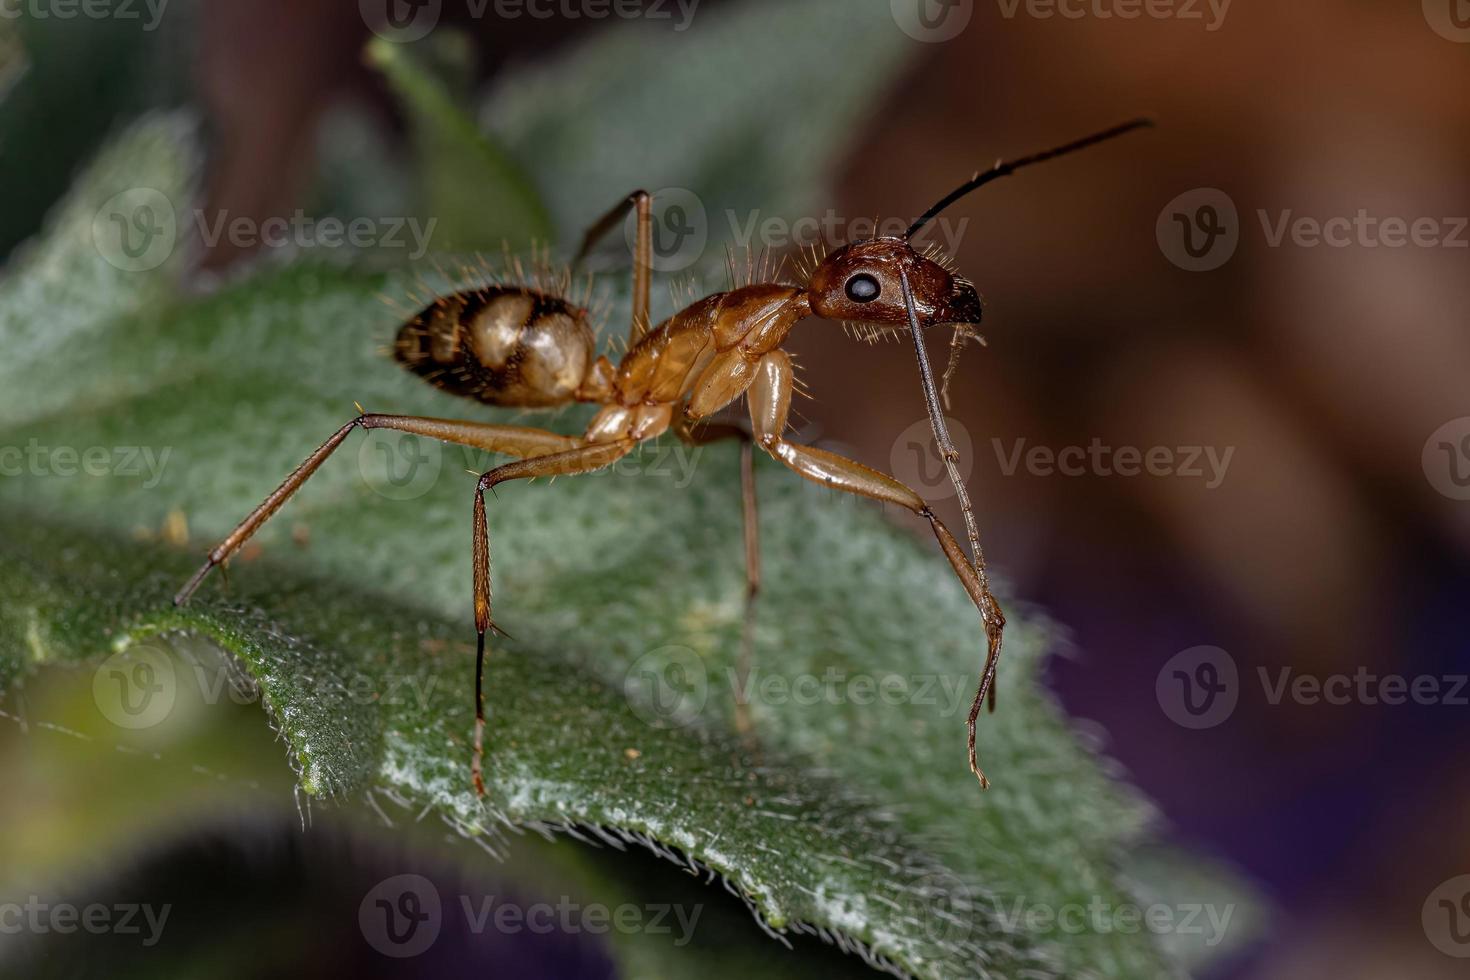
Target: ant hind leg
[{"x": 508, "y": 439}]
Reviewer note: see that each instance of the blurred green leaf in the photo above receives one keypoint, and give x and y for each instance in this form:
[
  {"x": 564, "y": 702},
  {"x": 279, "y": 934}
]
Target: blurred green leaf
[
  {"x": 750, "y": 107},
  {"x": 477, "y": 196},
  {"x": 66, "y": 83}
]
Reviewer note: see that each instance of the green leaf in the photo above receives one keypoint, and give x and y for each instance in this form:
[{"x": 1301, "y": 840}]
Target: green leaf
[
  {"x": 749, "y": 107},
  {"x": 477, "y": 196},
  {"x": 853, "y": 814},
  {"x": 185, "y": 779},
  {"x": 91, "y": 72}
]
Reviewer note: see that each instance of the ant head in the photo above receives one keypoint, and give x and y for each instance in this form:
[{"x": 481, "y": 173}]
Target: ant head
[{"x": 860, "y": 283}]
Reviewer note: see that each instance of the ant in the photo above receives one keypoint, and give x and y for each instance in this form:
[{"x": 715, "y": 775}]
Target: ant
[{"x": 525, "y": 346}]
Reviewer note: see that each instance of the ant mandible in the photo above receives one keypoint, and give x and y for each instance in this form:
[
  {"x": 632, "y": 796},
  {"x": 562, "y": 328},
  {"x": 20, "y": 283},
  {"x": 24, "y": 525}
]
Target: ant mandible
[{"x": 515, "y": 345}]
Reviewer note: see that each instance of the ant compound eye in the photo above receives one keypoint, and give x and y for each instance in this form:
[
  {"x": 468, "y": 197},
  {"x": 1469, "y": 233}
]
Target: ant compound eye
[{"x": 862, "y": 288}]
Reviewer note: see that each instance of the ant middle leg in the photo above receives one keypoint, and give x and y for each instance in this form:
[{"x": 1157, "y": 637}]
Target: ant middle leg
[
  {"x": 769, "y": 397},
  {"x": 642, "y": 202},
  {"x": 699, "y": 434},
  {"x": 510, "y": 440},
  {"x": 582, "y": 459}
]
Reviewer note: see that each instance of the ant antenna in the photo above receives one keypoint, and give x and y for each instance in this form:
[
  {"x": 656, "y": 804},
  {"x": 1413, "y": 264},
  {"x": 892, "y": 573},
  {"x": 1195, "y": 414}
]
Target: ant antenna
[{"x": 1003, "y": 169}]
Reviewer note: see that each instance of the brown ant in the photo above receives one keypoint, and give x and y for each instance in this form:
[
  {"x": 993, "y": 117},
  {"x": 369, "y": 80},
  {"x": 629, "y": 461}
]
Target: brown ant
[{"x": 516, "y": 345}]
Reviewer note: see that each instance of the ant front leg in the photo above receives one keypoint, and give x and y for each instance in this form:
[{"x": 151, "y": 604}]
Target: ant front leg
[
  {"x": 770, "y": 402},
  {"x": 583, "y": 459},
  {"x": 696, "y": 434},
  {"x": 642, "y": 202}
]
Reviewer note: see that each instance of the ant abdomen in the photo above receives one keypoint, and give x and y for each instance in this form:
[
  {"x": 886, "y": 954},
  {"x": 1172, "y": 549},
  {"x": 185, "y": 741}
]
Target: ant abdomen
[{"x": 503, "y": 345}]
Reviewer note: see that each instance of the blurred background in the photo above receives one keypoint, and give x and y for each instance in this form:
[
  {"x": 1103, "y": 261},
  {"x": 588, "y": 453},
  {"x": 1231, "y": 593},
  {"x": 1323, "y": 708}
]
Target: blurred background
[{"x": 1266, "y": 297}]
